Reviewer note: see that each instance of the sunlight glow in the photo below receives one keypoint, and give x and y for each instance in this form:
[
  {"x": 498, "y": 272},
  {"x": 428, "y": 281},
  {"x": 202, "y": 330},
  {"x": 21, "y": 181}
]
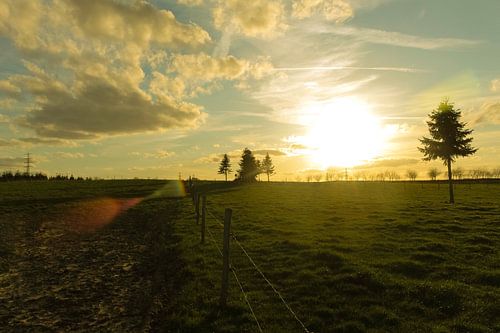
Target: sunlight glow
[{"x": 343, "y": 133}]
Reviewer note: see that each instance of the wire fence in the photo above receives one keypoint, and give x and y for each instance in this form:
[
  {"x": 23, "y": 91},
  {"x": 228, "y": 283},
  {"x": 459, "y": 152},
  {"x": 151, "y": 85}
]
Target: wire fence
[{"x": 213, "y": 217}]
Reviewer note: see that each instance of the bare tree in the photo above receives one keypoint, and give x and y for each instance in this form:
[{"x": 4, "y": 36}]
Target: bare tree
[
  {"x": 433, "y": 173},
  {"x": 318, "y": 177},
  {"x": 495, "y": 173},
  {"x": 458, "y": 173},
  {"x": 411, "y": 175}
]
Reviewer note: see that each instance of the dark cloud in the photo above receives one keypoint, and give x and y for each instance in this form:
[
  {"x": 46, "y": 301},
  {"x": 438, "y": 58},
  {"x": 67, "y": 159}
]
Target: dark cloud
[{"x": 100, "y": 108}]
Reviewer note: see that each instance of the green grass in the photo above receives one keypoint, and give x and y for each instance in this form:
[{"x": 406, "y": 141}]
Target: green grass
[
  {"x": 347, "y": 257},
  {"x": 356, "y": 257}
]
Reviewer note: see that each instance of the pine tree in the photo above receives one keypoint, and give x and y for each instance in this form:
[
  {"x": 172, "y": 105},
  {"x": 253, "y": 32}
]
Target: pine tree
[
  {"x": 225, "y": 166},
  {"x": 248, "y": 166},
  {"x": 267, "y": 166},
  {"x": 449, "y": 139}
]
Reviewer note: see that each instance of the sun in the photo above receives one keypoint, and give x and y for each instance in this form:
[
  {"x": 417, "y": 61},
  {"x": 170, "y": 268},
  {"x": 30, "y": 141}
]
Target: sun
[{"x": 343, "y": 133}]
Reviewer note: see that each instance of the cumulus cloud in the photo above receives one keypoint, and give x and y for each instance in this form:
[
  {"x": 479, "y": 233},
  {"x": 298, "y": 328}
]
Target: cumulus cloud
[
  {"x": 333, "y": 10},
  {"x": 95, "y": 106},
  {"x": 84, "y": 65},
  {"x": 257, "y": 18},
  {"x": 200, "y": 72},
  {"x": 204, "y": 67},
  {"x": 140, "y": 22},
  {"x": 8, "y": 88},
  {"x": 84, "y": 75}
]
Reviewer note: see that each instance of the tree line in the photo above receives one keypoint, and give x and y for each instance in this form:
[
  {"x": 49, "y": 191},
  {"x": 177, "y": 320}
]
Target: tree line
[
  {"x": 250, "y": 167},
  {"x": 16, "y": 176},
  {"x": 392, "y": 175}
]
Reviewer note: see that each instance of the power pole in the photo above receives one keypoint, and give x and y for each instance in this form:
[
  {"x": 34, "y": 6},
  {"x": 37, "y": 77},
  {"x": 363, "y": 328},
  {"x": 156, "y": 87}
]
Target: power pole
[{"x": 27, "y": 164}]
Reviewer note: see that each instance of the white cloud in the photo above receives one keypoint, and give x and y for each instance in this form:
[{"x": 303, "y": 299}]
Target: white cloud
[
  {"x": 257, "y": 18},
  {"x": 333, "y": 10},
  {"x": 396, "y": 38},
  {"x": 85, "y": 67},
  {"x": 141, "y": 23}
]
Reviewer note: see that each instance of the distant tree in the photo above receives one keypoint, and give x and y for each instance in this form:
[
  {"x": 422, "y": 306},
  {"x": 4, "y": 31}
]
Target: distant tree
[
  {"x": 248, "y": 167},
  {"x": 318, "y": 177},
  {"x": 411, "y": 174},
  {"x": 449, "y": 139},
  {"x": 309, "y": 178},
  {"x": 433, "y": 173},
  {"x": 225, "y": 166},
  {"x": 267, "y": 166},
  {"x": 495, "y": 173},
  {"x": 457, "y": 173},
  {"x": 479, "y": 173},
  {"x": 259, "y": 168},
  {"x": 392, "y": 175}
]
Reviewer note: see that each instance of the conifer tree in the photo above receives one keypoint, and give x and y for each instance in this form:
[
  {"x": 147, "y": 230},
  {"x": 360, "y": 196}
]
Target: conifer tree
[
  {"x": 449, "y": 139},
  {"x": 248, "y": 166},
  {"x": 225, "y": 166},
  {"x": 267, "y": 166}
]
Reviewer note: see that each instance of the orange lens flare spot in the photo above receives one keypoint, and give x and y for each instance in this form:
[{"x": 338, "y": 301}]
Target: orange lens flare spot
[{"x": 91, "y": 215}]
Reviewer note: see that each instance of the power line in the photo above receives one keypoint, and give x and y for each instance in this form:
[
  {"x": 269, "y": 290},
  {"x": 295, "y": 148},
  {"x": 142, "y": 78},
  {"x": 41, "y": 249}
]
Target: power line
[{"x": 27, "y": 163}]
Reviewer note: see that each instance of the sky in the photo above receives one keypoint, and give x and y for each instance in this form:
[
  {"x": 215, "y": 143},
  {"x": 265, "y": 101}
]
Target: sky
[{"x": 154, "y": 89}]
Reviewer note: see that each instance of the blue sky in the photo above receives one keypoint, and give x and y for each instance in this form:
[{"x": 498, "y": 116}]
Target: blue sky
[{"x": 150, "y": 89}]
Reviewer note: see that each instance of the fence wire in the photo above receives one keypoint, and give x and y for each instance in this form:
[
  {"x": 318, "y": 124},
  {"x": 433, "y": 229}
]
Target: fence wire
[
  {"x": 288, "y": 307},
  {"x": 233, "y": 270}
]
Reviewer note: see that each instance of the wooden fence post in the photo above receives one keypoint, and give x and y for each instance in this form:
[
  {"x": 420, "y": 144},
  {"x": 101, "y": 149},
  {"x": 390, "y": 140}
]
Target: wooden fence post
[
  {"x": 203, "y": 217},
  {"x": 197, "y": 208},
  {"x": 225, "y": 257}
]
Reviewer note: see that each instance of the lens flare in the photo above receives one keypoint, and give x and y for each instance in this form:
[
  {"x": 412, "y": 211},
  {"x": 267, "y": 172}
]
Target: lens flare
[
  {"x": 172, "y": 189},
  {"x": 92, "y": 215}
]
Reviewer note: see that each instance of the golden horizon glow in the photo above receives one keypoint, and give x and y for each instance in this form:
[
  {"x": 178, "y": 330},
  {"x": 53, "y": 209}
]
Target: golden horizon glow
[{"x": 343, "y": 133}]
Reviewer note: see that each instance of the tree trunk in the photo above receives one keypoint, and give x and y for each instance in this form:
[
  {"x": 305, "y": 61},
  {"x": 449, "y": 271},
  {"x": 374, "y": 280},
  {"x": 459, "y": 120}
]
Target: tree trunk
[
  {"x": 225, "y": 174},
  {"x": 268, "y": 177},
  {"x": 450, "y": 181}
]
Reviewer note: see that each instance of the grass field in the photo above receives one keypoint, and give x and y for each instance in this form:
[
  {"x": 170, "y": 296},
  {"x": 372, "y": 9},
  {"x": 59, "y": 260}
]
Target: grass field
[
  {"x": 347, "y": 257},
  {"x": 356, "y": 257}
]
